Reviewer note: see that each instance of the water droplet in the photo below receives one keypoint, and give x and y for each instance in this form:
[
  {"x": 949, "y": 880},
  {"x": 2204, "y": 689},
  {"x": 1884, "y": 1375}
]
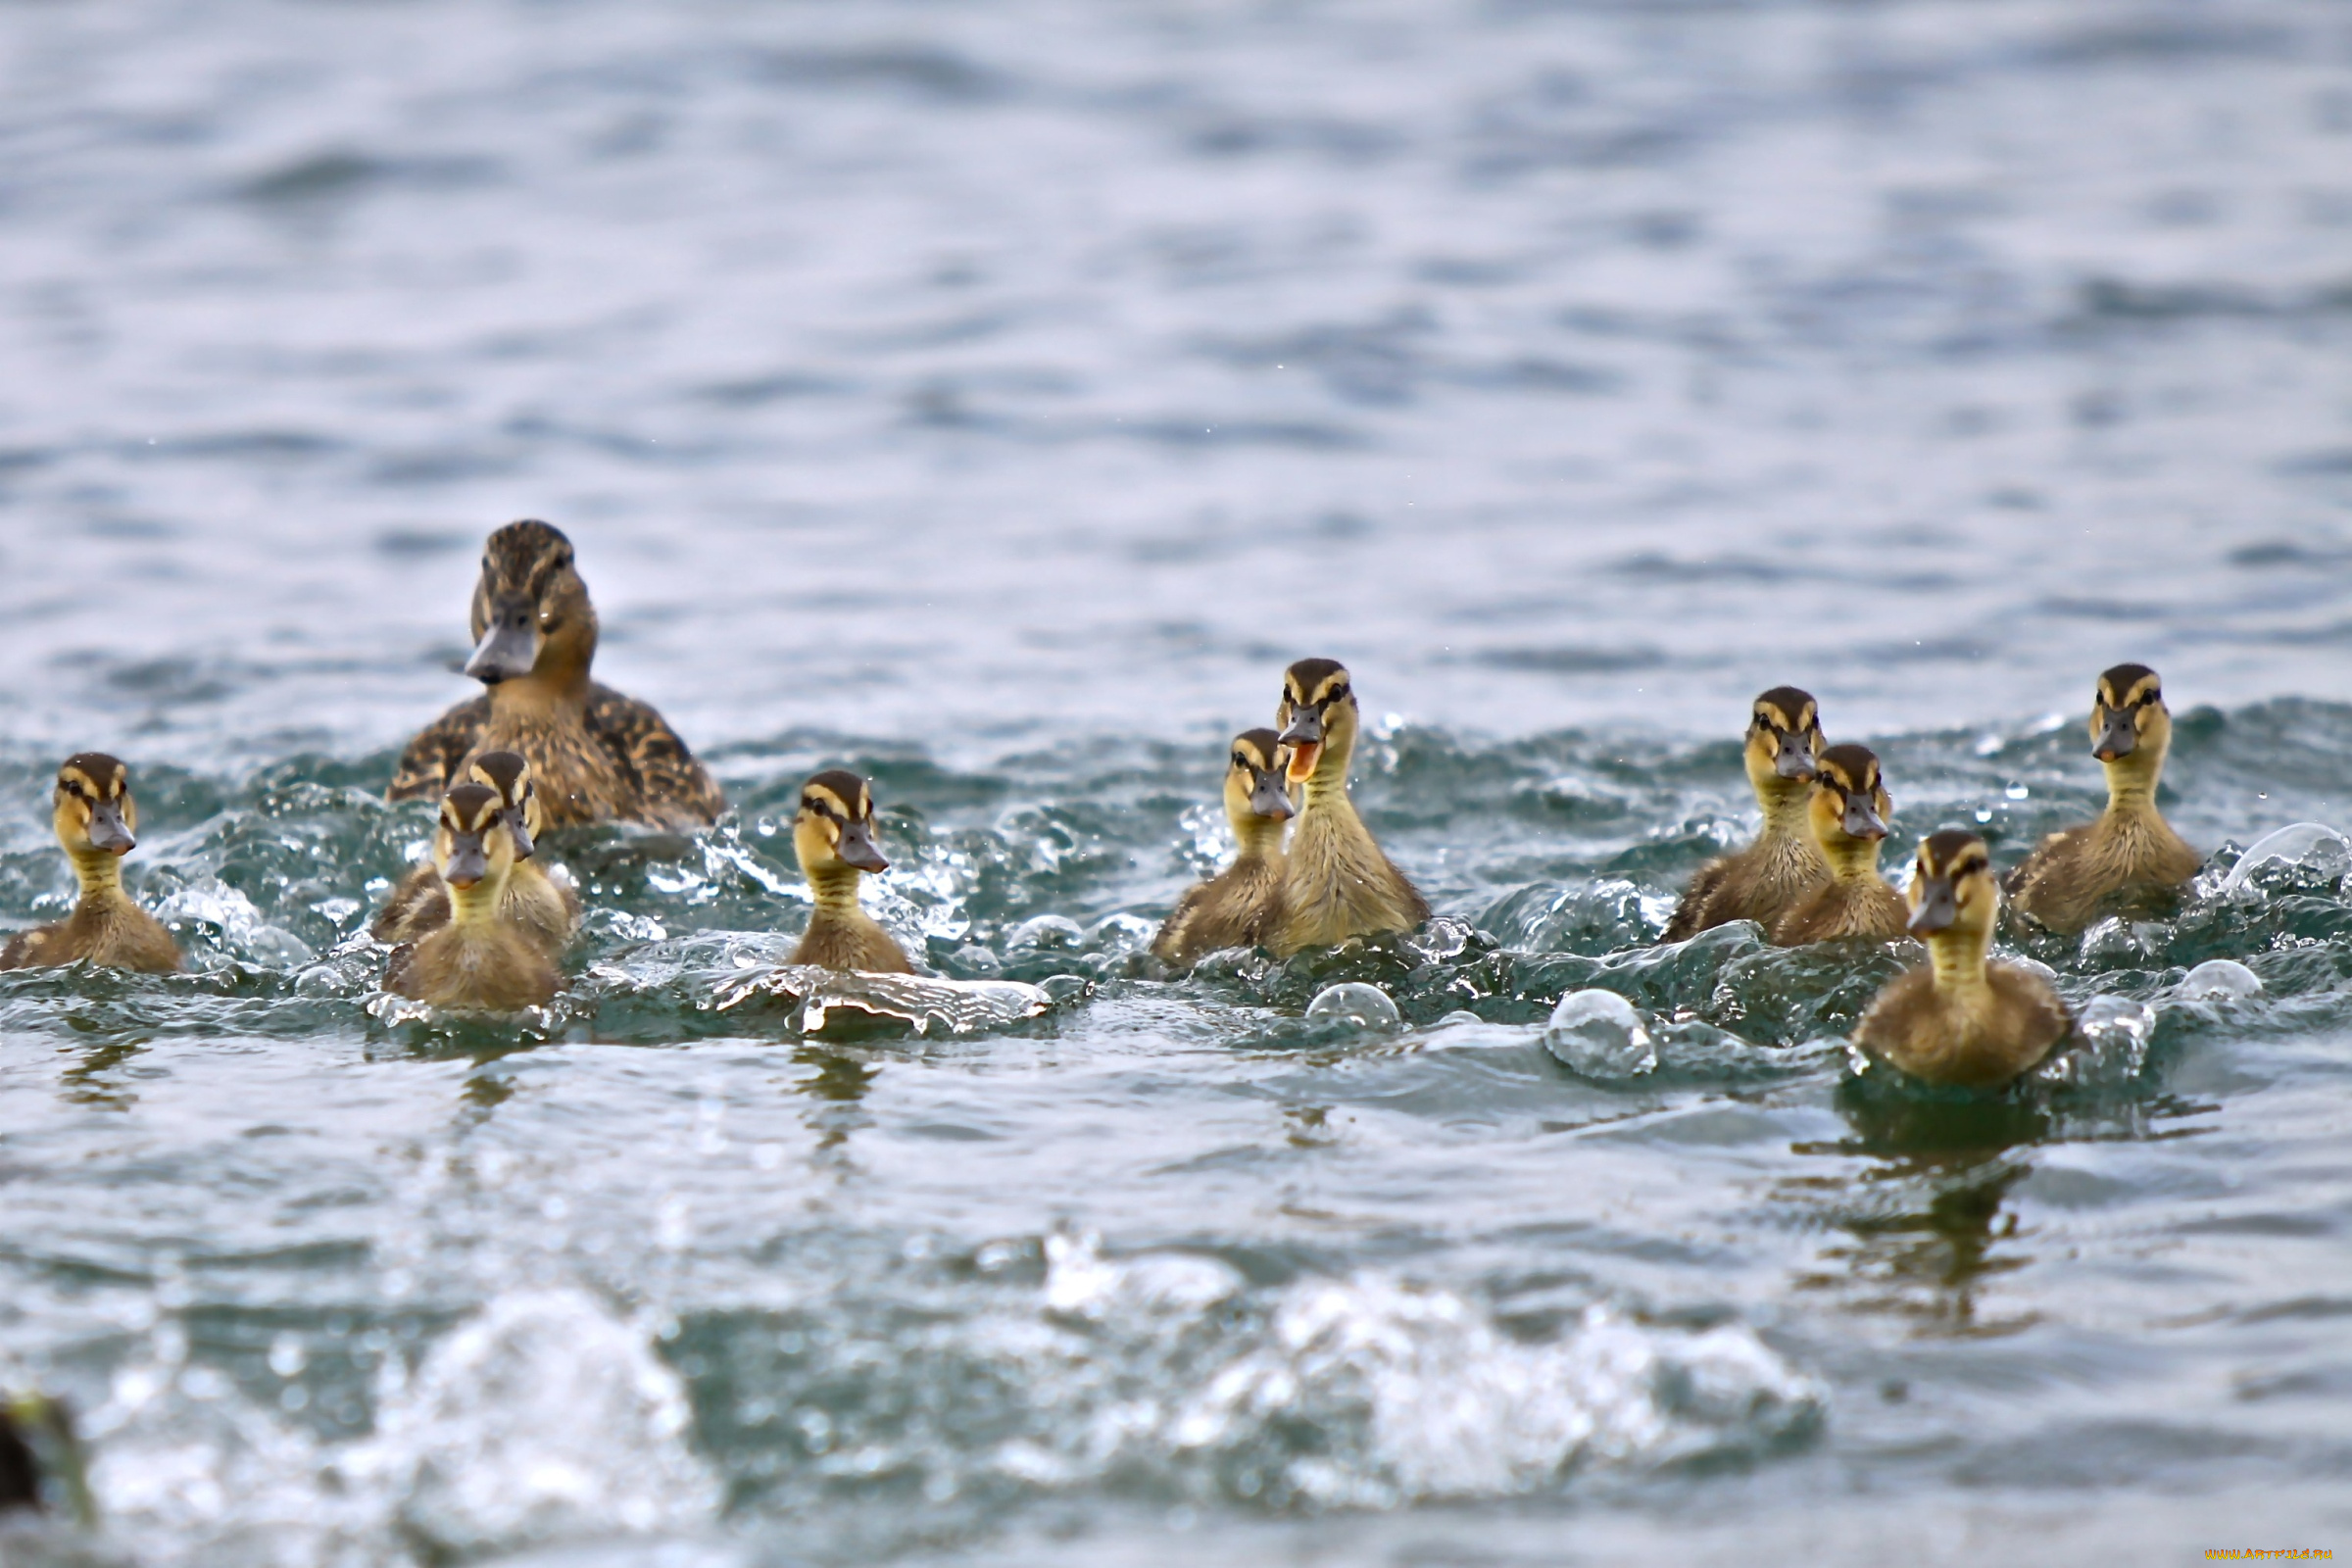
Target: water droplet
[
  {"x": 2221, "y": 979},
  {"x": 1599, "y": 1034},
  {"x": 1354, "y": 1001}
]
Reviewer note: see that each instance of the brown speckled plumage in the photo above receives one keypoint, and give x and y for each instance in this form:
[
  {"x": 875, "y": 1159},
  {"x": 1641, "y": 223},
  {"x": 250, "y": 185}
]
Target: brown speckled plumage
[{"x": 596, "y": 754}]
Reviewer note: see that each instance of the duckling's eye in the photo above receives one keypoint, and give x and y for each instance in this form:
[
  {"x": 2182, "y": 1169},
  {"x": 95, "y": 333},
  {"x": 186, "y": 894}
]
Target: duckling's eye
[{"x": 1339, "y": 693}]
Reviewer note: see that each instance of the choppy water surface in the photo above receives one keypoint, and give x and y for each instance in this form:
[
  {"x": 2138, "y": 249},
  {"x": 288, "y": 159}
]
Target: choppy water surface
[{"x": 994, "y": 398}]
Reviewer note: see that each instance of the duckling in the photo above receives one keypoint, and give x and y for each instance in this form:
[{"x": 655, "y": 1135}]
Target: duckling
[
  {"x": 480, "y": 958},
  {"x": 2074, "y": 871},
  {"x": 1783, "y": 864},
  {"x": 834, "y": 837},
  {"x": 1335, "y": 883},
  {"x": 598, "y": 755},
  {"x": 1849, "y": 816},
  {"x": 42, "y": 1461},
  {"x": 1242, "y": 904},
  {"x": 1959, "y": 1019},
  {"x": 95, "y": 817},
  {"x": 548, "y": 911}
]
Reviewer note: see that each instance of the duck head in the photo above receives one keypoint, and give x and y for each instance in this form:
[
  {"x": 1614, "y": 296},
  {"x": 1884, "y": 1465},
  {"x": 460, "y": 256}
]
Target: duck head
[
  {"x": 1849, "y": 799},
  {"x": 510, "y": 775},
  {"x": 1256, "y": 802},
  {"x": 95, "y": 816},
  {"x": 531, "y": 615},
  {"x": 473, "y": 847},
  {"x": 1784, "y": 740},
  {"x": 1952, "y": 887},
  {"x": 2131, "y": 729},
  {"x": 1317, "y": 718},
  {"x": 834, "y": 828}
]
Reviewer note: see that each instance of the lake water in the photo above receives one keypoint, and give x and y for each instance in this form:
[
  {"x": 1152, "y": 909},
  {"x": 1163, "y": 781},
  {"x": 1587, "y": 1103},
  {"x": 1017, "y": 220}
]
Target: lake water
[{"x": 994, "y": 398}]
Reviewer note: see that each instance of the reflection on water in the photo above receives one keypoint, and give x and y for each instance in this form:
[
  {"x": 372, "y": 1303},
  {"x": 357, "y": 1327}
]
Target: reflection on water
[
  {"x": 837, "y": 1081},
  {"x": 1929, "y": 1238}
]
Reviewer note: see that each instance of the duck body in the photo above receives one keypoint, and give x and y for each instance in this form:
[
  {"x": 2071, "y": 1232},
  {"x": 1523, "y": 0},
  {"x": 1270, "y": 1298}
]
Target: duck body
[
  {"x": 1961, "y": 1019},
  {"x": 94, "y": 816},
  {"x": 1846, "y": 816},
  {"x": 2074, "y": 873},
  {"x": 594, "y": 754},
  {"x": 479, "y": 960},
  {"x": 1770, "y": 876},
  {"x": 1242, "y": 906},
  {"x": 833, "y": 836},
  {"x": 1337, "y": 882}
]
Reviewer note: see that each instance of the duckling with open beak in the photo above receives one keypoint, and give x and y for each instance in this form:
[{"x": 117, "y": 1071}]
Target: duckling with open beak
[{"x": 1337, "y": 883}]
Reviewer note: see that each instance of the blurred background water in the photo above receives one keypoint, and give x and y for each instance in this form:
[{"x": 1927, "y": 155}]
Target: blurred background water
[{"x": 995, "y": 397}]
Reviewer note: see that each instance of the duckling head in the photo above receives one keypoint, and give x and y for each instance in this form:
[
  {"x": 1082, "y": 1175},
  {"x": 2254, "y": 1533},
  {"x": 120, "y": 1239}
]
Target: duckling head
[
  {"x": 1256, "y": 802},
  {"x": 95, "y": 817},
  {"x": 1783, "y": 738},
  {"x": 2130, "y": 728},
  {"x": 474, "y": 848},
  {"x": 1317, "y": 720},
  {"x": 531, "y": 615},
  {"x": 510, "y": 775},
  {"x": 1849, "y": 806},
  {"x": 833, "y": 830},
  {"x": 1952, "y": 888}
]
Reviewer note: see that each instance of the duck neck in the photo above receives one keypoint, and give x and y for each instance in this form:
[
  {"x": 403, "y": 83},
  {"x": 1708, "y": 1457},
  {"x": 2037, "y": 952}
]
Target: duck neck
[
  {"x": 100, "y": 873},
  {"x": 2132, "y": 783},
  {"x": 834, "y": 888},
  {"x": 1783, "y": 802},
  {"x": 1327, "y": 785},
  {"x": 477, "y": 906},
  {"x": 1259, "y": 837},
  {"x": 1851, "y": 860},
  {"x": 1957, "y": 953}
]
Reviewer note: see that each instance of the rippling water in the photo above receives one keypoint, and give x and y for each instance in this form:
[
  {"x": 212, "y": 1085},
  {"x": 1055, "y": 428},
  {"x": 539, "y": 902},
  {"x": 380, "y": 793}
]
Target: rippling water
[{"x": 994, "y": 398}]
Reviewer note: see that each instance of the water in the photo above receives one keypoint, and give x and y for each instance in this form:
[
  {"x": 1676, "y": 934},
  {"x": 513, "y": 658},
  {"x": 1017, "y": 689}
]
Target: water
[{"x": 994, "y": 398}]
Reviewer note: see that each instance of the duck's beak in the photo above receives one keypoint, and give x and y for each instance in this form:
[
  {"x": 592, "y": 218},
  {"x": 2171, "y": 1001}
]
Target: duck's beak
[
  {"x": 469, "y": 861},
  {"x": 1794, "y": 760},
  {"x": 1938, "y": 905},
  {"x": 1305, "y": 737},
  {"x": 2119, "y": 737},
  {"x": 523, "y": 846},
  {"x": 1862, "y": 819},
  {"x": 856, "y": 848},
  {"x": 508, "y": 647},
  {"x": 1267, "y": 798},
  {"x": 107, "y": 831}
]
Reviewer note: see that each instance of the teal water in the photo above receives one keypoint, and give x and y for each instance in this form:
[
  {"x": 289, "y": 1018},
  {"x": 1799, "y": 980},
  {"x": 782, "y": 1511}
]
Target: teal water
[{"x": 994, "y": 400}]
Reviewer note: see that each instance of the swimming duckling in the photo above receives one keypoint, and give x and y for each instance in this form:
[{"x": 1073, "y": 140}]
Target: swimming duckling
[
  {"x": 1336, "y": 882},
  {"x": 42, "y": 1461},
  {"x": 480, "y": 958},
  {"x": 2075, "y": 871},
  {"x": 834, "y": 837},
  {"x": 1241, "y": 905},
  {"x": 598, "y": 755},
  {"x": 1959, "y": 1019},
  {"x": 547, "y": 911},
  {"x": 95, "y": 818},
  {"x": 1783, "y": 864},
  {"x": 1848, "y": 816}
]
